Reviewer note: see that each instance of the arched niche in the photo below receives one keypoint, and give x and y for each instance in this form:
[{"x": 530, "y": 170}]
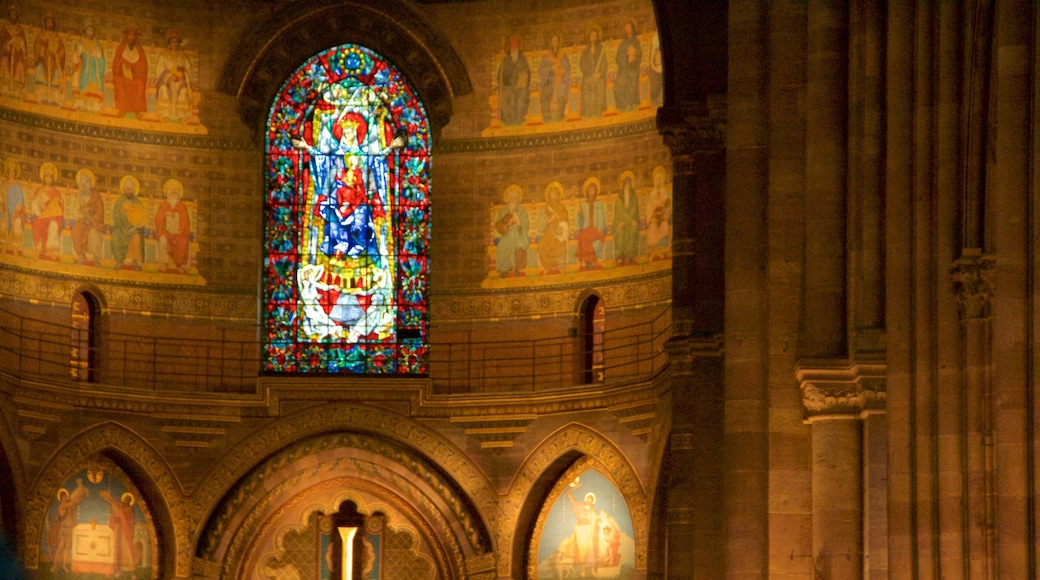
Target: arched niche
[
  {"x": 276, "y": 47},
  {"x": 365, "y": 468},
  {"x": 552, "y": 465},
  {"x": 113, "y": 448}
]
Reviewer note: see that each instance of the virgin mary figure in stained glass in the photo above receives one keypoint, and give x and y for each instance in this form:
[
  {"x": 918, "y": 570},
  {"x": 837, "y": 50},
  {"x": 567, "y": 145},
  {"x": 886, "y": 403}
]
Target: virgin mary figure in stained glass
[{"x": 348, "y": 161}]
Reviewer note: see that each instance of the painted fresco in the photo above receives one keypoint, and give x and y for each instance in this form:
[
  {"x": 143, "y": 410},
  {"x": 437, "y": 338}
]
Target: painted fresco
[
  {"x": 65, "y": 69},
  {"x": 563, "y": 85},
  {"x": 98, "y": 526},
  {"x": 587, "y": 532},
  {"x": 79, "y": 229},
  {"x": 582, "y": 233}
]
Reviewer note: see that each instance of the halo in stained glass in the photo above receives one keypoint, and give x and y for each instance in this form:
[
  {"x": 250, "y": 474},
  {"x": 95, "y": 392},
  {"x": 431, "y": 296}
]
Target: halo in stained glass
[{"x": 347, "y": 220}]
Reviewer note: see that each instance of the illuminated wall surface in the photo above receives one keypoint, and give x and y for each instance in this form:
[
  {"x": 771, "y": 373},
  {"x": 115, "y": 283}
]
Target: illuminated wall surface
[
  {"x": 587, "y": 532},
  {"x": 81, "y": 77},
  {"x": 346, "y": 220},
  {"x": 98, "y": 526}
]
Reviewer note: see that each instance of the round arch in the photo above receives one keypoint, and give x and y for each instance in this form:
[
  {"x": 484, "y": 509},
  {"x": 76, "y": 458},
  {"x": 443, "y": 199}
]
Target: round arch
[
  {"x": 354, "y": 466},
  {"x": 353, "y": 431},
  {"x": 569, "y": 450},
  {"x": 12, "y": 471},
  {"x": 394, "y": 29},
  {"x": 142, "y": 464}
]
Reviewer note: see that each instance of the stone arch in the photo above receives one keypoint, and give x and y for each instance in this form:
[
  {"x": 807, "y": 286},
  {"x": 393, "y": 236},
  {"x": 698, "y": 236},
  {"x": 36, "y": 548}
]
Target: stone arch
[
  {"x": 140, "y": 462},
  {"x": 11, "y": 471},
  {"x": 569, "y": 450},
  {"x": 321, "y": 435},
  {"x": 343, "y": 461},
  {"x": 394, "y": 29}
]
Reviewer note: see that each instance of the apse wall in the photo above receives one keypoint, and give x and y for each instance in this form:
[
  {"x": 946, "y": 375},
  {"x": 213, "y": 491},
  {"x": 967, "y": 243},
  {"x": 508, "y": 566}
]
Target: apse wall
[{"x": 545, "y": 121}]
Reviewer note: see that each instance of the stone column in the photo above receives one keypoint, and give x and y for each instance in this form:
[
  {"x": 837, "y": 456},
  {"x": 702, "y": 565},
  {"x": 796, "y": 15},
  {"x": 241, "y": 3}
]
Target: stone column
[
  {"x": 837, "y": 395},
  {"x": 972, "y": 274},
  {"x": 693, "y": 493}
]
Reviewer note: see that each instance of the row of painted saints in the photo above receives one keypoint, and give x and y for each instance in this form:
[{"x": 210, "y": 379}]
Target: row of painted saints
[
  {"x": 630, "y": 226},
  {"x": 49, "y": 70},
  {"x": 85, "y": 227},
  {"x": 572, "y": 83}
]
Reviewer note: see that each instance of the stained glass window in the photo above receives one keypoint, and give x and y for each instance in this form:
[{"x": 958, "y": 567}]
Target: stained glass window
[{"x": 346, "y": 220}]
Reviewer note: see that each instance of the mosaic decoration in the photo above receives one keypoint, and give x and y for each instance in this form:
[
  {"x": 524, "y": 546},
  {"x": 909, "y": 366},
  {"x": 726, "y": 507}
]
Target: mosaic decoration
[
  {"x": 77, "y": 228},
  {"x": 66, "y": 69},
  {"x": 346, "y": 220},
  {"x": 588, "y": 532},
  {"x": 583, "y": 233},
  {"x": 98, "y": 526},
  {"x": 558, "y": 83}
]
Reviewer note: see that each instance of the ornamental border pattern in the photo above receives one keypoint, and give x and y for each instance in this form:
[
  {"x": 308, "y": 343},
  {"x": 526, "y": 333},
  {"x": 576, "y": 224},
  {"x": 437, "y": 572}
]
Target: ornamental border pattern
[{"x": 215, "y": 143}]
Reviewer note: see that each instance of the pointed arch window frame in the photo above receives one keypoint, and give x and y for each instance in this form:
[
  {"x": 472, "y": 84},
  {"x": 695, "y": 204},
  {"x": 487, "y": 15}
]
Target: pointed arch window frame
[{"x": 322, "y": 88}]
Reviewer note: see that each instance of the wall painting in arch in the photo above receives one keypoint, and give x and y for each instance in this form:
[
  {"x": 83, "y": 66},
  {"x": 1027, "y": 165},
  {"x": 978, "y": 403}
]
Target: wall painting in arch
[
  {"x": 588, "y": 231},
  {"x": 586, "y": 533},
  {"x": 346, "y": 220},
  {"x": 98, "y": 526},
  {"x": 97, "y": 72}
]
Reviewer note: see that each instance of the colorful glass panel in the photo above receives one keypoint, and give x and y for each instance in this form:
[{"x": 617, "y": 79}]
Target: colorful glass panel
[{"x": 346, "y": 220}]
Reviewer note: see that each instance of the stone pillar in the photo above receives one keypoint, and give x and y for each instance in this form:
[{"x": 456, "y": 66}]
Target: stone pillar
[
  {"x": 693, "y": 493},
  {"x": 837, "y": 395},
  {"x": 694, "y": 488},
  {"x": 825, "y": 325},
  {"x": 972, "y": 274}
]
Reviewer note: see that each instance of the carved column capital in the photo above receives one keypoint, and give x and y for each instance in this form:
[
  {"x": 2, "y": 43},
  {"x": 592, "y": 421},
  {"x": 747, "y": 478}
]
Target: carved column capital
[
  {"x": 972, "y": 276},
  {"x": 691, "y": 128},
  {"x": 684, "y": 350},
  {"x": 841, "y": 388}
]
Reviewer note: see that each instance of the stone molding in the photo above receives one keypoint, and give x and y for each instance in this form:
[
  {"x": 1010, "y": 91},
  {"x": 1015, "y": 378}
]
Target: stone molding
[
  {"x": 683, "y": 351},
  {"x": 691, "y": 128},
  {"x": 271, "y": 51},
  {"x": 841, "y": 388},
  {"x": 972, "y": 277}
]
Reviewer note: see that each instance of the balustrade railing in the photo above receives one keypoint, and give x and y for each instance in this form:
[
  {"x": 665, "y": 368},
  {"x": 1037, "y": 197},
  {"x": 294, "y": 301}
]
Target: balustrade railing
[{"x": 33, "y": 349}]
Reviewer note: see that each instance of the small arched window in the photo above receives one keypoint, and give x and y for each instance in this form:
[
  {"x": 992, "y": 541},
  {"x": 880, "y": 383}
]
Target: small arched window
[
  {"x": 593, "y": 321},
  {"x": 84, "y": 353},
  {"x": 346, "y": 220}
]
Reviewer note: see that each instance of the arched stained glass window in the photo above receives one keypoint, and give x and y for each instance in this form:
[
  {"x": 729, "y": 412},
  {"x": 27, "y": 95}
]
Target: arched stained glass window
[{"x": 346, "y": 220}]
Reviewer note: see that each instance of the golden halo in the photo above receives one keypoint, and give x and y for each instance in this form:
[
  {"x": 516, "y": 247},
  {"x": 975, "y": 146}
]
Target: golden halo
[
  {"x": 511, "y": 189},
  {"x": 64, "y": 492},
  {"x": 48, "y": 168},
  {"x": 85, "y": 174},
  {"x": 173, "y": 185},
  {"x": 629, "y": 175},
  {"x": 588, "y": 182},
  {"x": 125, "y": 495},
  {"x": 660, "y": 170},
  {"x": 554, "y": 185},
  {"x": 12, "y": 164},
  {"x": 129, "y": 179},
  {"x": 594, "y": 27},
  {"x": 592, "y": 495}
]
